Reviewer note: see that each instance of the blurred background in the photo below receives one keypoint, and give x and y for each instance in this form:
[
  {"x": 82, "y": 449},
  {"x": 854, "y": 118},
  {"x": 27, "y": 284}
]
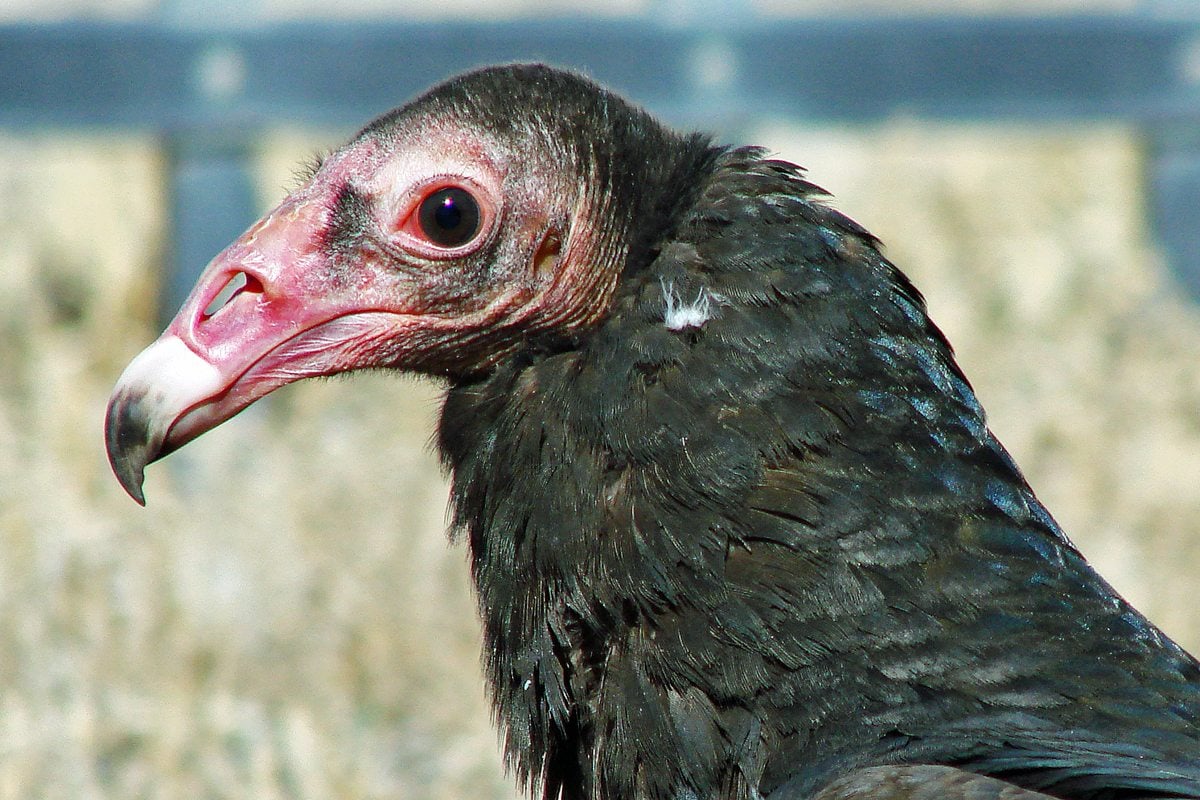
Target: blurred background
[{"x": 286, "y": 618}]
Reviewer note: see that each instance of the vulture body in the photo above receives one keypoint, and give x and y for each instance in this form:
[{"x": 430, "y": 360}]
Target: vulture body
[{"x": 737, "y": 526}]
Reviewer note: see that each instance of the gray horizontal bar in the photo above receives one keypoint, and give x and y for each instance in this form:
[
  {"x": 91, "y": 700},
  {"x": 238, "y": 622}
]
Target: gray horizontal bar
[
  {"x": 143, "y": 75},
  {"x": 193, "y": 83}
]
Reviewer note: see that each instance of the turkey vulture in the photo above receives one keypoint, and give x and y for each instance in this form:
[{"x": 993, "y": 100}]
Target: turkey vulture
[{"x": 736, "y": 524}]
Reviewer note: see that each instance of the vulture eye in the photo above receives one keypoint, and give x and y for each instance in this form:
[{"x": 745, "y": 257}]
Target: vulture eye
[{"x": 449, "y": 217}]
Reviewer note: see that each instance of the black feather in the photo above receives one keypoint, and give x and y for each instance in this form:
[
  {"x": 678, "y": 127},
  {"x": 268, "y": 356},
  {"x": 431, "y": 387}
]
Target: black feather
[{"x": 746, "y": 556}]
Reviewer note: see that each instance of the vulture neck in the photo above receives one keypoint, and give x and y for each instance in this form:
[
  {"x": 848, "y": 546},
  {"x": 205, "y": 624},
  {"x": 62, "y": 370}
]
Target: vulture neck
[{"x": 560, "y": 554}]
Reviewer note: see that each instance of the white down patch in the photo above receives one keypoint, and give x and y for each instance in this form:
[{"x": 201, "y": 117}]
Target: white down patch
[{"x": 680, "y": 314}]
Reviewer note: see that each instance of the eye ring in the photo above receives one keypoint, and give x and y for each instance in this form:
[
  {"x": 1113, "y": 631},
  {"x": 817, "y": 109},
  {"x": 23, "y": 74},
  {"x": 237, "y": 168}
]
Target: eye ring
[{"x": 446, "y": 217}]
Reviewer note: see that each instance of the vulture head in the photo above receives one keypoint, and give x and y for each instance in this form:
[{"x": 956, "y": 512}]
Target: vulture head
[
  {"x": 736, "y": 523},
  {"x": 492, "y": 215}
]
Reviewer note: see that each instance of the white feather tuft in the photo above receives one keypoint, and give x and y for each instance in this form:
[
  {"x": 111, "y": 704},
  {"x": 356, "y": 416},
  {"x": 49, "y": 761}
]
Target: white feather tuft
[{"x": 679, "y": 315}]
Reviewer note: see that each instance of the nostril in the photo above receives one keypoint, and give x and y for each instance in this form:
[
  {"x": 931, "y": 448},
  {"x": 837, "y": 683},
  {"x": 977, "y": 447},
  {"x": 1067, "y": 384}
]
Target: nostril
[{"x": 238, "y": 283}]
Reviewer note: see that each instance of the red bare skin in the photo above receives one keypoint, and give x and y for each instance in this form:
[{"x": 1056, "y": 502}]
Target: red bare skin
[{"x": 319, "y": 299}]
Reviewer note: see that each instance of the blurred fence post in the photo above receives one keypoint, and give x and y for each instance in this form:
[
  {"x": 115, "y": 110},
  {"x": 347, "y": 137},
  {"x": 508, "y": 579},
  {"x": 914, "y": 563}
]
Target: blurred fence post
[
  {"x": 1173, "y": 188},
  {"x": 212, "y": 200}
]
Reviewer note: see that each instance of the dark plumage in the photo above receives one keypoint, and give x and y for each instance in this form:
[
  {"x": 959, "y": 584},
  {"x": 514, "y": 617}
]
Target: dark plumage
[{"x": 737, "y": 525}]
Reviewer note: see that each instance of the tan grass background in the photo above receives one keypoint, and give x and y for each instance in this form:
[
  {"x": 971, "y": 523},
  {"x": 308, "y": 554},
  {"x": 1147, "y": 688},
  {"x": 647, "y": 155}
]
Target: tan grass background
[{"x": 285, "y": 619}]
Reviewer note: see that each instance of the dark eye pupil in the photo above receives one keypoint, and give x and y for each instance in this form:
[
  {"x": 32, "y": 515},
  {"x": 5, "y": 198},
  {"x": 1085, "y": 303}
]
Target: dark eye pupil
[{"x": 449, "y": 217}]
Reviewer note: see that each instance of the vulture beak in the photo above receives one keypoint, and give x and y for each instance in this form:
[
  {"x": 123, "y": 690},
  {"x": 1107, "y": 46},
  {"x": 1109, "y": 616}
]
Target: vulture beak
[{"x": 264, "y": 313}]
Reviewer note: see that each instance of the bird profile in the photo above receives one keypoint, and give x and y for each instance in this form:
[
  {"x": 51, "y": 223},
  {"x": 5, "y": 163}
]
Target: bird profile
[{"x": 737, "y": 526}]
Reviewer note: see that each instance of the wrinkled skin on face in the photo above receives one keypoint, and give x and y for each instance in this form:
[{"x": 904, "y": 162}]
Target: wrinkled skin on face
[{"x": 362, "y": 267}]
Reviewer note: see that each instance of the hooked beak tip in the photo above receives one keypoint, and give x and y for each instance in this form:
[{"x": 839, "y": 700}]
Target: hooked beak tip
[
  {"x": 127, "y": 440},
  {"x": 155, "y": 390}
]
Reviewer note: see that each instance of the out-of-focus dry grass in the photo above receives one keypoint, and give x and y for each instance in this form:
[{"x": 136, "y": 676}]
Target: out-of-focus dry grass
[{"x": 285, "y": 618}]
